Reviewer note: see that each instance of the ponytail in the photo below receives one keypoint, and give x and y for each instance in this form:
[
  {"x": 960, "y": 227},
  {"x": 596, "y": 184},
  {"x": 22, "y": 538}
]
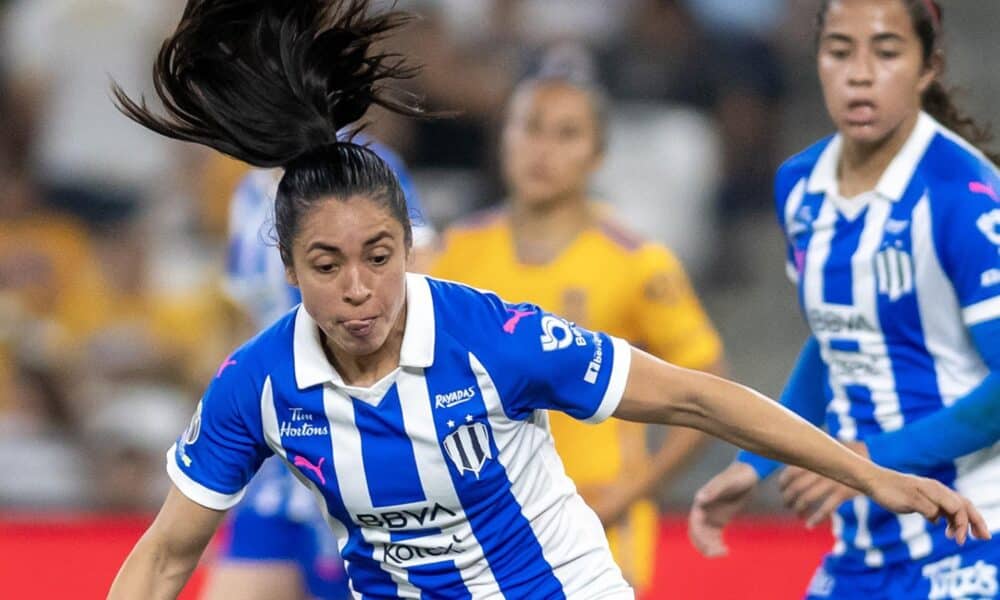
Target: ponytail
[{"x": 270, "y": 81}]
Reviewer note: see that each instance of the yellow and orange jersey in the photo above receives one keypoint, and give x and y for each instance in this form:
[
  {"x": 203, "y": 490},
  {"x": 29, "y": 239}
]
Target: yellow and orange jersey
[{"x": 608, "y": 279}]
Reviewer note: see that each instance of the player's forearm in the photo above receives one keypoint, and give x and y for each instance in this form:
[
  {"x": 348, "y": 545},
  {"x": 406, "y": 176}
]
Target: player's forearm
[
  {"x": 152, "y": 571},
  {"x": 803, "y": 395},
  {"x": 662, "y": 393}
]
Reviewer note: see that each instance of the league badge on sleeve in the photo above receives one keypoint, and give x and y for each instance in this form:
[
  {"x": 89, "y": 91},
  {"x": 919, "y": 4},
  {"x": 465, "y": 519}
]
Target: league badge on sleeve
[{"x": 989, "y": 224}]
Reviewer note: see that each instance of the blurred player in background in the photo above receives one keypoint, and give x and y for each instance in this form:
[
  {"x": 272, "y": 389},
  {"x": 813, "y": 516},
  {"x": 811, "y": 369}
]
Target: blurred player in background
[
  {"x": 552, "y": 245},
  {"x": 278, "y": 546},
  {"x": 893, "y": 231}
]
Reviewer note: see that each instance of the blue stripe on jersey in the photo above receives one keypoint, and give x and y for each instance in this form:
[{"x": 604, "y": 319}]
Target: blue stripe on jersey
[
  {"x": 384, "y": 441},
  {"x": 843, "y": 345},
  {"x": 363, "y": 570},
  {"x": 505, "y": 535},
  {"x": 439, "y": 583},
  {"x": 837, "y": 272}
]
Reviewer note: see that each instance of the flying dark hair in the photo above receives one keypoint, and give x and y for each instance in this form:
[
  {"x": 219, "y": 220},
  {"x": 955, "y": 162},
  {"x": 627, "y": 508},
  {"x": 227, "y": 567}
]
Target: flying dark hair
[
  {"x": 937, "y": 101},
  {"x": 274, "y": 83}
]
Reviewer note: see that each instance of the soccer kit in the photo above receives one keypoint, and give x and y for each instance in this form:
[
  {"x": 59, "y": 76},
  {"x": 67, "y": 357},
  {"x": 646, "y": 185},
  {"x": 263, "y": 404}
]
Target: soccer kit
[
  {"x": 901, "y": 289},
  {"x": 441, "y": 480},
  {"x": 606, "y": 280}
]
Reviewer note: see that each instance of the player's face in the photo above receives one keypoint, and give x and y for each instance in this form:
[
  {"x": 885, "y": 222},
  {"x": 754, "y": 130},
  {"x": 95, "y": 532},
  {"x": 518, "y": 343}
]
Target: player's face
[
  {"x": 349, "y": 261},
  {"x": 872, "y": 68},
  {"x": 550, "y": 143}
]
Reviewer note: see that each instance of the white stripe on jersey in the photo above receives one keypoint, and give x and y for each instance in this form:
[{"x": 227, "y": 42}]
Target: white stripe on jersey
[
  {"x": 347, "y": 458},
  {"x": 986, "y": 310},
  {"x": 791, "y": 209},
  {"x": 957, "y": 365},
  {"x": 816, "y": 257},
  {"x": 882, "y": 384},
  {"x": 272, "y": 436},
  {"x": 863, "y": 539},
  {"x": 434, "y": 475},
  {"x": 582, "y": 565}
]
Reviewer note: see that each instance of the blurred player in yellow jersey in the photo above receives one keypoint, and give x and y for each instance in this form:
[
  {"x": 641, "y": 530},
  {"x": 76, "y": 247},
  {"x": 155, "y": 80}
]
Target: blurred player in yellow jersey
[{"x": 552, "y": 245}]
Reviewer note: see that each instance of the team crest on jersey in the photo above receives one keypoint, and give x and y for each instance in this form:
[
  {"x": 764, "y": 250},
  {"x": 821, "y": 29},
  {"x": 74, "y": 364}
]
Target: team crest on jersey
[
  {"x": 468, "y": 447},
  {"x": 894, "y": 271}
]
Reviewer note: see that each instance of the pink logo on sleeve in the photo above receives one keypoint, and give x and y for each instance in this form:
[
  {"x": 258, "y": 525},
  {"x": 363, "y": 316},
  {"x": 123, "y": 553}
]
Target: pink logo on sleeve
[
  {"x": 512, "y": 322},
  {"x": 301, "y": 461},
  {"x": 978, "y": 187},
  {"x": 226, "y": 363}
]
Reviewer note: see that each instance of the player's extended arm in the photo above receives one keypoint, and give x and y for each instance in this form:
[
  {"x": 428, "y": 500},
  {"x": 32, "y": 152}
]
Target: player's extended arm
[
  {"x": 657, "y": 392},
  {"x": 680, "y": 446},
  {"x": 803, "y": 395},
  {"x": 166, "y": 555}
]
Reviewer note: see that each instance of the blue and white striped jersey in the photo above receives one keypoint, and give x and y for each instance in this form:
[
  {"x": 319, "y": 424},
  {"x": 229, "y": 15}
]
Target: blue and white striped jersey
[
  {"x": 441, "y": 480},
  {"x": 255, "y": 275},
  {"x": 901, "y": 288}
]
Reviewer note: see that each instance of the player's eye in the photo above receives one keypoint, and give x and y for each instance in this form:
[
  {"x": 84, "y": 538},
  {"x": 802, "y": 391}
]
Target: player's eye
[
  {"x": 326, "y": 267},
  {"x": 379, "y": 259}
]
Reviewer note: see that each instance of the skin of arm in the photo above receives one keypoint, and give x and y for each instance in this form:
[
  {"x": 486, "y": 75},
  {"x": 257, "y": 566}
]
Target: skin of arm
[
  {"x": 679, "y": 448},
  {"x": 167, "y": 554},
  {"x": 256, "y": 580},
  {"x": 657, "y": 392}
]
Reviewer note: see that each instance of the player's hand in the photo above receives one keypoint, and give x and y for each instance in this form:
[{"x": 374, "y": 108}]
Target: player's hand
[
  {"x": 716, "y": 503},
  {"x": 610, "y": 501},
  {"x": 812, "y": 496},
  {"x": 907, "y": 494}
]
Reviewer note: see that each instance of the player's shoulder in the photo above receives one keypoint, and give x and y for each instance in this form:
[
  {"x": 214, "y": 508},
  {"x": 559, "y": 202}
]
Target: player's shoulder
[
  {"x": 474, "y": 316},
  {"x": 958, "y": 176},
  {"x": 258, "y": 358},
  {"x": 799, "y": 166},
  {"x": 617, "y": 234}
]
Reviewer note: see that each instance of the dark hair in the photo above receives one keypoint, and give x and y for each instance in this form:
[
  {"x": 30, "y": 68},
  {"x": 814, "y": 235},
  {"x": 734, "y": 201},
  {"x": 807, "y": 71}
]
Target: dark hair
[
  {"x": 926, "y": 16},
  {"x": 272, "y": 83},
  {"x": 572, "y": 64}
]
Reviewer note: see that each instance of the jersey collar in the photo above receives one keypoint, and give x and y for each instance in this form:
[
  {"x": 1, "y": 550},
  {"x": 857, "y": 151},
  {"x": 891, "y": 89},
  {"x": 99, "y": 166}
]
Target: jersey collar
[
  {"x": 312, "y": 367},
  {"x": 898, "y": 174}
]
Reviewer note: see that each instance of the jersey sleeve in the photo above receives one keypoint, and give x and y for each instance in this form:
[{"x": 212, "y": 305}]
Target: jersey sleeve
[
  {"x": 542, "y": 361},
  {"x": 967, "y": 235},
  {"x": 217, "y": 455},
  {"x": 671, "y": 321}
]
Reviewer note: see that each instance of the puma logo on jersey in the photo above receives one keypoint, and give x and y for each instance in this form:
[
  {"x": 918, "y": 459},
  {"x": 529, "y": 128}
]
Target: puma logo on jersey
[
  {"x": 303, "y": 462},
  {"x": 978, "y": 187},
  {"x": 512, "y": 322}
]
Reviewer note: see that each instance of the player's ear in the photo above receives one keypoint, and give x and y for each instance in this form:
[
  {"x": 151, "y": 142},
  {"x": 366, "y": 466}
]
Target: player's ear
[{"x": 290, "y": 276}]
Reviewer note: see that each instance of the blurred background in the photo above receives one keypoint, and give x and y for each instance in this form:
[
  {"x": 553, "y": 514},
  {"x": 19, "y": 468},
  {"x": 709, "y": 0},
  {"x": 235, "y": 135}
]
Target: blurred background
[{"x": 112, "y": 240}]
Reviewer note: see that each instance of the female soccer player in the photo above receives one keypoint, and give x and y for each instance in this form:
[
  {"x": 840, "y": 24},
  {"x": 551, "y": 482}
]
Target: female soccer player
[
  {"x": 551, "y": 245},
  {"x": 893, "y": 230},
  {"x": 278, "y": 546},
  {"x": 412, "y": 407}
]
